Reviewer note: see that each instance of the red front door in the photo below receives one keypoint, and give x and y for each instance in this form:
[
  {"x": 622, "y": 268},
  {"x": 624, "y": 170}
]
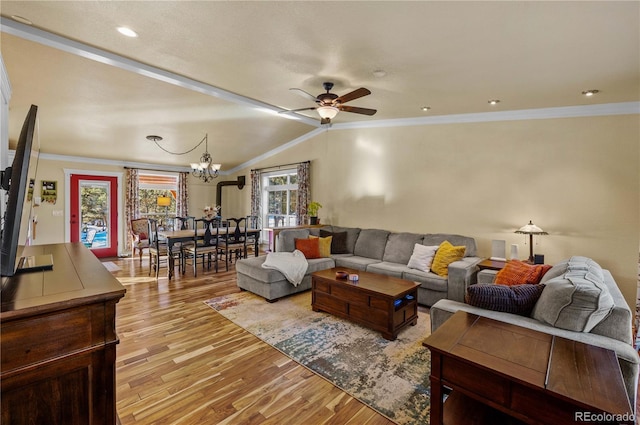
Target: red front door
[{"x": 94, "y": 217}]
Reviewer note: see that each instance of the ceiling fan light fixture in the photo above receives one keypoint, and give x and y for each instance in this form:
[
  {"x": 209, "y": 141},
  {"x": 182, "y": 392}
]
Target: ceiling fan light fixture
[{"x": 328, "y": 111}]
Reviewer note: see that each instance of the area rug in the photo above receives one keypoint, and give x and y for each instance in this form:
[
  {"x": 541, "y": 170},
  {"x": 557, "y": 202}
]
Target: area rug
[
  {"x": 112, "y": 267},
  {"x": 392, "y": 377}
]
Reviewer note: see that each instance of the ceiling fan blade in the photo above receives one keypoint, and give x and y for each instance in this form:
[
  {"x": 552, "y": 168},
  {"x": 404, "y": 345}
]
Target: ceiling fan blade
[
  {"x": 357, "y": 110},
  {"x": 305, "y": 94},
  {"x": 353, "y": 95},
  {"x": 297, "y": 110}
]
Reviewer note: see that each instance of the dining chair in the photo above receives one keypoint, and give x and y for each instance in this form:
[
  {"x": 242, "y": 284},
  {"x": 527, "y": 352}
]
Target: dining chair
[
  {"x": 159, "y": 251},
  {"x": 184, "y": 223},
  {"x": 139, "y": 236},
  {"x": 252, "y": 222},
  {"x": 233, "y": 243},
  {"x": 206, "y": 241}
]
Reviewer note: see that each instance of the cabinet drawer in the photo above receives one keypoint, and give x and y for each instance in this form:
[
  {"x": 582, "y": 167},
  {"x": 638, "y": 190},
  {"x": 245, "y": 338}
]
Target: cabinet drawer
[
  {"x": 41, "y": 338},
  {"x": 368, "y": 315},
  {"x": 321, "y": 286},
  {"x": 380, "y": 303},
  {"x": 329, "y": 303},
  {"x": 354, "y": 296},
  {"x": 475, "y": 380}
]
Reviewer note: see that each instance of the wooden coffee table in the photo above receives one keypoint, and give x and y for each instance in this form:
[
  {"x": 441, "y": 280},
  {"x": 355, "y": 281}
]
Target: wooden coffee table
[
  {"x": 371, "y": 301},
  {"x": 503, "y": 373}
]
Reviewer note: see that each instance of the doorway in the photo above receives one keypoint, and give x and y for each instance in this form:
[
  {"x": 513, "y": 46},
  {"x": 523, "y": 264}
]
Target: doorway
[{"x": 94, "y": 213}]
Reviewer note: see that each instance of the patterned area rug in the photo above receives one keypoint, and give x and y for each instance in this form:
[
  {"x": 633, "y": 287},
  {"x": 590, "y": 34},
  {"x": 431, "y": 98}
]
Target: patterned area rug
[{"x": 392, "y": 377}]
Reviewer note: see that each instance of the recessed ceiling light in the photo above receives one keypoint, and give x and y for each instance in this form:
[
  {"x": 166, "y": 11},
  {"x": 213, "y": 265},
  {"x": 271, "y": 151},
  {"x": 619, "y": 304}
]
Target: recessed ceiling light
[
  {"x": 425, "y": 108},
  {"x": 21, "y": 20},
  {"x": 494, "y": 101},
  {"x": 127, "y": 32},
  {"x": 590, "y": 92}
]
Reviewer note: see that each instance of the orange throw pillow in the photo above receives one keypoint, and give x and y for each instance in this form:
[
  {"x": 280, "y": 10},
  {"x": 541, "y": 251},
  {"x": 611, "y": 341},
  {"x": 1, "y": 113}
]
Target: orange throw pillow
[
  {"x": 309, "y": 247},
  {"x": 517, "y": 272}
]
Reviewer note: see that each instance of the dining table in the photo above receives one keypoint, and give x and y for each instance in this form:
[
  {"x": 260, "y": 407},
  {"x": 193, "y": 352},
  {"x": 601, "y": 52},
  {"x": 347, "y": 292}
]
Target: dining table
[{"x": 172, "y": 237}]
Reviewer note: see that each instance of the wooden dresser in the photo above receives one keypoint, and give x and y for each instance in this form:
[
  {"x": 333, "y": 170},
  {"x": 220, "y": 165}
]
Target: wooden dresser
[{"x": 58, "y": 341}]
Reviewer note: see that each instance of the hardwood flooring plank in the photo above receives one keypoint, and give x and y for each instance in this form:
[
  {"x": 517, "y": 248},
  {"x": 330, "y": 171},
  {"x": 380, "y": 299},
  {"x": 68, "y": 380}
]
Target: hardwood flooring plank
[{"x": 180, "y": 362}]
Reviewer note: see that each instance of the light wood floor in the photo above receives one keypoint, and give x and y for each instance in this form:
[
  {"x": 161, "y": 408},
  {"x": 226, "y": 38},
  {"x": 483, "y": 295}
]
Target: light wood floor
[{"x": 179, "y": 362}]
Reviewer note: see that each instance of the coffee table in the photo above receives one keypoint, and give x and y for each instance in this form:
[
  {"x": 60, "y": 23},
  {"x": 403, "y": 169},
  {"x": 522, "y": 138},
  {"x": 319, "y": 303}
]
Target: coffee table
[
  {"x": 503, "y": 373},
  {"x": 371, "y": 301}
]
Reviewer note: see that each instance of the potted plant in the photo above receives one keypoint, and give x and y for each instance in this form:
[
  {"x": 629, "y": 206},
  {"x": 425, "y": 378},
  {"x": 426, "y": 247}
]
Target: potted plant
[{"x": 312, "y": 210}]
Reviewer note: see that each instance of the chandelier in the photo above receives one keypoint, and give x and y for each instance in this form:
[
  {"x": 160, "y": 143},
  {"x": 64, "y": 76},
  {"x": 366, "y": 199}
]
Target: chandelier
[{"x": 205, "y": 170}]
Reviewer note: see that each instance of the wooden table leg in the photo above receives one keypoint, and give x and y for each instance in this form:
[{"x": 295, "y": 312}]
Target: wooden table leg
[{"x": 436, "y": 416}]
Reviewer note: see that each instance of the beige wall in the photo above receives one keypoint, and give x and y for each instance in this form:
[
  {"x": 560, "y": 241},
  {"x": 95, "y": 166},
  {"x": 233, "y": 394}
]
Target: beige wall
[{"x": 577, "y": 178}]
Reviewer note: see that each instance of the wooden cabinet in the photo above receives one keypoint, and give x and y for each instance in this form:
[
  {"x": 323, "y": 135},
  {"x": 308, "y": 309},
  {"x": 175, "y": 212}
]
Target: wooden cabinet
[{"x": 57, "y": 331}]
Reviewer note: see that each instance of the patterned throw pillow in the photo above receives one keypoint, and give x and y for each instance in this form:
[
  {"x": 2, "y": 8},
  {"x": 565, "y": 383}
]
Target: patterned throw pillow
[
  {"x": 519, "y": 273},
  {"x": 516, "y": 299},
  {"x": 309, "y": 247},
  {"x": 324, "y": 244},
  {"x": 446, "y": 255}
]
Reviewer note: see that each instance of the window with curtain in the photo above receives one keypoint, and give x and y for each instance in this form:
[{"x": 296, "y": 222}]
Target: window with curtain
[{"x": 280, "y": 198}]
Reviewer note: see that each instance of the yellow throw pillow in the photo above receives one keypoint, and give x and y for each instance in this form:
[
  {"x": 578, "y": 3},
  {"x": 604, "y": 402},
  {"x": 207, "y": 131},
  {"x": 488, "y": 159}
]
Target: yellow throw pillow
[
  {"x": 325, "y": 245},
  {"x": 446, "y": 255}
]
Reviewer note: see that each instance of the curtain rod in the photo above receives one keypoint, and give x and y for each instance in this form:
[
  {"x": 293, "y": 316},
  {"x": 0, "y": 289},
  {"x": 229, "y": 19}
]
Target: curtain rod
[
  {"x": 277, "y": 167},
  {"x": 153, "y": 169}
]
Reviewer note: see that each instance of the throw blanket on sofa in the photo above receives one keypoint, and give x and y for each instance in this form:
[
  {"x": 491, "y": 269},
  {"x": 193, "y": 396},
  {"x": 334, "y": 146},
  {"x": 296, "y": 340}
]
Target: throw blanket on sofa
[{"x": 292, "y": 265}]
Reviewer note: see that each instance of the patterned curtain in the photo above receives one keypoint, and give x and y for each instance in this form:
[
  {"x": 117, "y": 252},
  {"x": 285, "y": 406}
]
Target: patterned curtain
[
  {"x": 304, "y": 192},
  {"x": 182, "y": 204},
  {"x": 132, "y": 201},
  {"x": 256, "y": 196}
]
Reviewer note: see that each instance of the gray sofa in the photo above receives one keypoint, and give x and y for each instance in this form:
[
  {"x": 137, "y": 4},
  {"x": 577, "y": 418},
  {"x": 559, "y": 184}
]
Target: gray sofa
[
  {"x": 614, "y": 332},
  {"x": 371, "y": 250}
]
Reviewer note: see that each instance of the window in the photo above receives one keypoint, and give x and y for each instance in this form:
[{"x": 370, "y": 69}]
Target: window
[
  {"x": 155, "y": 185},
  {"x": 280, "y": 197}
]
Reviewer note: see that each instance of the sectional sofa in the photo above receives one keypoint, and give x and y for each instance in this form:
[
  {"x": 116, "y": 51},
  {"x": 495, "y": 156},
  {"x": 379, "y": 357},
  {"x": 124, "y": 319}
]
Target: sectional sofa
[
  {"x": 372, "y": 250},
  {"x": 581, "y": 302}
]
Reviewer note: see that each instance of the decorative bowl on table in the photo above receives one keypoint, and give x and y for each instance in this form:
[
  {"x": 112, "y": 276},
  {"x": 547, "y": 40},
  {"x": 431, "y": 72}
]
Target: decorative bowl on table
[{"x": 341, "y": 274}]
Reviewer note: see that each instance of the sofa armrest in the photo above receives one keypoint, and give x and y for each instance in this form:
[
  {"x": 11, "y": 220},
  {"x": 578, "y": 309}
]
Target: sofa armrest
[{"x": 461, "y": 274}]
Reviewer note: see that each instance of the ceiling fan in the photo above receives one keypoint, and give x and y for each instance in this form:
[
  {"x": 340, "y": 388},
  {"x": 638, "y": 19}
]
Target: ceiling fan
[{"x": 329, "y": 104}]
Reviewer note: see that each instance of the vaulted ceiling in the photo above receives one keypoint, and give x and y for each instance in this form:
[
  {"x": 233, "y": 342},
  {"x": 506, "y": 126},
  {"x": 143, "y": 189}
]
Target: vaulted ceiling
[{"x": 225, "y": 68}]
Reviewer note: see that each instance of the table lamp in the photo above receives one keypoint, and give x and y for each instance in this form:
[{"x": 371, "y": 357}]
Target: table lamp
[{"x": 531, "y": 229}]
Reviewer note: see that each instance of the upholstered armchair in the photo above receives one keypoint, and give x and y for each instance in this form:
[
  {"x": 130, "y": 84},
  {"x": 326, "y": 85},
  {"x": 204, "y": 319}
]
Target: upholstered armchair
[{"x": 139, "y": 237}]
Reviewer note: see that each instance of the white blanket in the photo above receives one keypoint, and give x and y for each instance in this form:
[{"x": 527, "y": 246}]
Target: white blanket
[{"x": 292, "y": 265}]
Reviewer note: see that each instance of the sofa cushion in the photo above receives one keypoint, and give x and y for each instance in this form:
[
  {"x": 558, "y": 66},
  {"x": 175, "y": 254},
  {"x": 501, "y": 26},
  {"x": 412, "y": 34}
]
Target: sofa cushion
[
  {"x": 400, "y": 246},
  {"x": 422, "y": 257},
  {"x": 371, "y": 243},
  {"x": 578, "y": 300},
  {"x": 445, "y": 255},
  {"x": 457, "y": 240},
  {"x": 309, "y": 247},
  {"x": 427, "y": 280},
  {"x": 388, "y": 268},
  {"x": 352, "y": 237},
  {"x": 517, "y": 299},
  {"x": 287, "y": 239},
  {"x": 324, "y": 244},
  {"x": 338, "y": 241},
  {"x": 517, "y": 272},
  {"x": 353, "y": 261}
]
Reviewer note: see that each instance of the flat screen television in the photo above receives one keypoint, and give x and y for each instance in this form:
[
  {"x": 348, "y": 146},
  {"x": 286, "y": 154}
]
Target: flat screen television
[{"x": 19, "y": 181}]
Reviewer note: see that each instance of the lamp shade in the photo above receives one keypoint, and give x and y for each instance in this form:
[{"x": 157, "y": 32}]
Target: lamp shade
[
  {"x": 531, "y": 229},
  {"x": 327, "y": 111},
  {"x": 163, "y": 201}
]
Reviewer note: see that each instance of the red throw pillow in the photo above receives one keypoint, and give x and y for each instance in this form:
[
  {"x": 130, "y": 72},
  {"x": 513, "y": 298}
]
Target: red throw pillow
[
  {"x": 517, "y": 272},
  {"x": 309, "y": 247},
  {"x": 142, "y": 236}
]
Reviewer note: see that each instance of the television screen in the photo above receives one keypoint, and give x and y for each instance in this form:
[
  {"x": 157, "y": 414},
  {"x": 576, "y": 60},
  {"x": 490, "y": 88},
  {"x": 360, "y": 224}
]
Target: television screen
[{"x": 21, "y": 185}]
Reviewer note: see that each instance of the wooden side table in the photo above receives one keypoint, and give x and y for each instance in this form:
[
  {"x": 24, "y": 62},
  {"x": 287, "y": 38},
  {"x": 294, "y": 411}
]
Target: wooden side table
[
  {"x": 511, "y": 374},
  {"x": 489, "y": 264}
]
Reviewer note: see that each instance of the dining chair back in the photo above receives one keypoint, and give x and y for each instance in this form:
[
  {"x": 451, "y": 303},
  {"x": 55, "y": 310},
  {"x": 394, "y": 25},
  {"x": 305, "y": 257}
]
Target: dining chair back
[
  {"x": 234, "y": 244},
  {"x": 159, "y": 251},
  {"x": 206, "y": 240},
  {"x": 139, "y": 236},
  {"x": 184, "y": 223}
]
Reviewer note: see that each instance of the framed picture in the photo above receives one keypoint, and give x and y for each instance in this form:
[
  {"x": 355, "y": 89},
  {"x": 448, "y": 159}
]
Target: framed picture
[{"x": 49, "y": 191}]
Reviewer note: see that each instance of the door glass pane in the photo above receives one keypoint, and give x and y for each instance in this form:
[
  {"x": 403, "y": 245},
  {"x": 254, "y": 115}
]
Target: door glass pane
[{"x": 94, "y": 214}]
